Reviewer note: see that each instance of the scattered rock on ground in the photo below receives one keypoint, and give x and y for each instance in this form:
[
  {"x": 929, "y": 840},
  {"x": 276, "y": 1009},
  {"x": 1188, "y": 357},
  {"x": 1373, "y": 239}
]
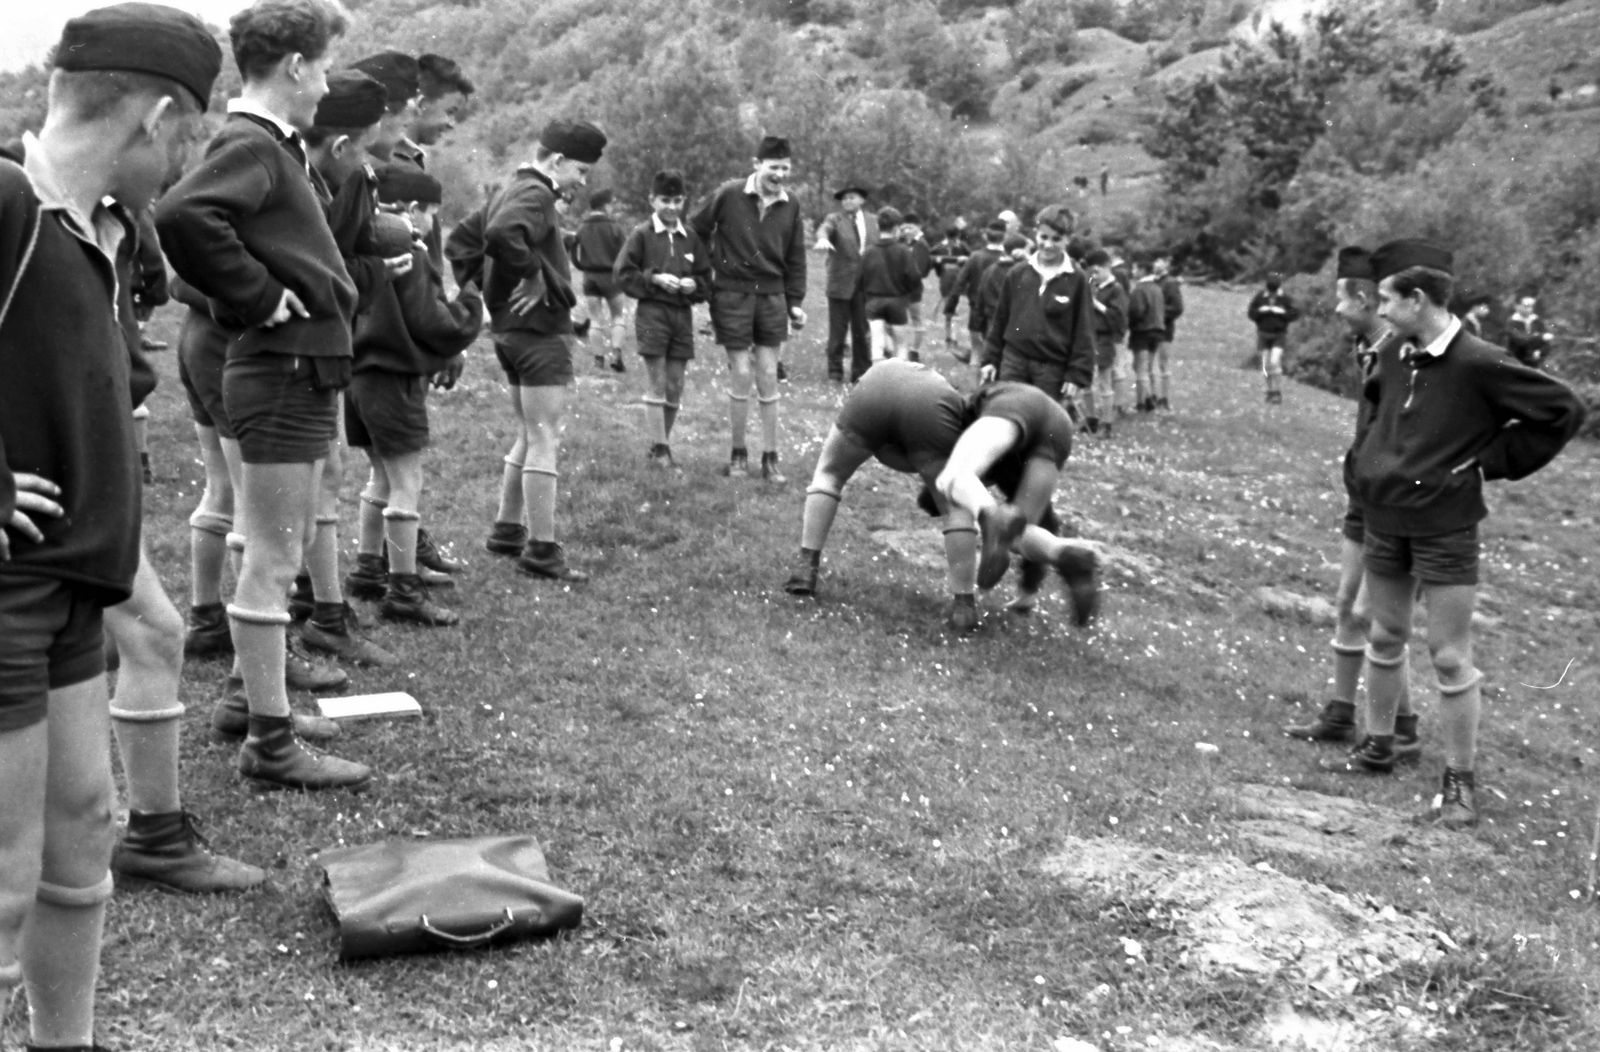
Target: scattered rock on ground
[
  {"x": 1312, "y": 609},
  {"x": 1339, "y": 830}
]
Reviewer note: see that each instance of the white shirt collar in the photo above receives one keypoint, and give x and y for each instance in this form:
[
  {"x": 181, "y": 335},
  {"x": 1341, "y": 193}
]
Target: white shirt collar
[
  {"x": 751, "y": 188},
  {"x": 100, "y": 228},
  {"x": 1442, "y": 342},
  {"x": 662, "y": 228},
  {"x": 1048, "y": 274},
  {"x": 255, "y": 109}
]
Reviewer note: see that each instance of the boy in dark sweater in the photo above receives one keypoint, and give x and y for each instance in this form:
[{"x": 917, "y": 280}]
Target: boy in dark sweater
[
  {"x": 1447, "y": 413},
  {"x": 125, "y": 96},
  {"x": 412, "y": 333},
  {"x": 1042, "y": 331},
  {"x": 948, "y": 254},
  {"x": 528, "y": 290},
  {"x": 968, "y": 283},
  {"x": 1107, "y": 399},
  {"x": 888, "y": 274},
  {"x": 1147, "y": 325},
  {"x": 1172, "y": 309},
  {"x": 665, "y": 268},
  {"x": 597, "y": 244},
  {"x": 1527, "y": 336},
  {"x": 754, "y": 232},
  {"x": 247, "y": 229},
  {"x": 1273, "y": 312},
  {"x": 912, "y": 237}
]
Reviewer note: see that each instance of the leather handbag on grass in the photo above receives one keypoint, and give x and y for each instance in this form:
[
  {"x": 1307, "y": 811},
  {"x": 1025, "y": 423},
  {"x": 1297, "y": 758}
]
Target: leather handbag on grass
[{"x": 408, "y": 896}]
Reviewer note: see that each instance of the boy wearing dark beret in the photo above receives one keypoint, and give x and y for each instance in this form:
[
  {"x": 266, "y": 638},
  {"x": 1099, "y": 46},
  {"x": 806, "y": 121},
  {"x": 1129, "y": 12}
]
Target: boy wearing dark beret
[
  {"x": 529, "y": 294},
  {"x": 595, "y": 249},
  {"x": 129, "y": 84},
  {"x": 246, "y": 228},
  {"x": 401, "y": 77},
  {"x": 1272, "y": 312},
  {"x": 664, "y": 267},
  {"x": 1447, "y": 413},
  {"x": 1042, "y": 329},
  {"x": 412, "y": 333},
  {"x": 888, "y": 273},
  {"x": 754, "y": 233}
]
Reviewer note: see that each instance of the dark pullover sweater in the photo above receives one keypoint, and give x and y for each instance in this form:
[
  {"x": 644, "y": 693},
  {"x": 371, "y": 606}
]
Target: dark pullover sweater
[
  {"x": 247, "y": 223},
  {"x": 413, "y": 327},
  {"x": 649, "y": 252},
  {"x": 888, "y": 270},
  {"x": 751, "y": 252},
  {"x": 1045, "y": 322},
  {"x": 599, "y": 240},
  {"x": 522, "y": 239},
  {"x": 65, "y": 402},
  {"x": 1473, "y": 401}
]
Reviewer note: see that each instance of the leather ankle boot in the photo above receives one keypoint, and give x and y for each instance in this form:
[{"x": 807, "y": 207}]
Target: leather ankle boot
[
  {"x": 408, "y": 600},
  {"x": 167, "y": 852},
  {"x": 274, "y": 757}
]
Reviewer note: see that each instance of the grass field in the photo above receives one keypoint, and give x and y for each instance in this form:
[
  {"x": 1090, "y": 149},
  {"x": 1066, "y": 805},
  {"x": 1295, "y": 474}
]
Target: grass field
[{"x": 821, "y": 824}]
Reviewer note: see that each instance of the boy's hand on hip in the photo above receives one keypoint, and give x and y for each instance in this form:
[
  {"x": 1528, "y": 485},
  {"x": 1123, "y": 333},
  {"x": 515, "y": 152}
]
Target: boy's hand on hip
[
  {"x": 986, "y": 374},
  {"x": 397, "y": 267},
  {"x": 34, "y": 495},
  {"x": 288, "y": 307},
  {"x": 797, "y": 317}
]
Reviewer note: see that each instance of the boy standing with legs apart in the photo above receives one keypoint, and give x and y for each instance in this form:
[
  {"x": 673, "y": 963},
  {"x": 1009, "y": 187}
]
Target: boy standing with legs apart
[
  {"x": 246, "y": 228},
  {"x": 1272, "y": 311},
  {"x": 1448, "y": 413},
  {"x": 529, "y": 294},
  {"x": 664, "y": 267},
  {"x": 1172, "y": 309},
  {"x": 124, "y": 99},
  {"x": 1147, "y": 324},
  {"x": 598, "y": 242},
  {"x": 1358, "y": 306},
  {"x": 753, "y": 230}
]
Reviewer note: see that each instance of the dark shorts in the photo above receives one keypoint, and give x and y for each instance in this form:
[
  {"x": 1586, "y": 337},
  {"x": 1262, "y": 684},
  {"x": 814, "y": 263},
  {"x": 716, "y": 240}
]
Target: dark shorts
[
  {"x": 1448, "y": 559},
  {"x": 891, "y": 310},
  {"x": 1354, "y": 526},
  {"x": 1046, "y": 428},
  {"x": 1265, "y": 341},
  {"x": 202, "y": 352},
  {"x": 50, "y": 637},
  {"x": 664, "y": 331},
  {"x": 534, "y": 359},
  {"x": 278, "y": 413},
  {"x": 745, "y": 319},
  {"x": 600, "y": 284},
  {"x": 907, "y": 414},
  {"x": 1147, "y": 342},
  {"x": 387, "y": 412},
  {"x": 1105, "y": 353},
  {"x": 1048, "y": 377}
]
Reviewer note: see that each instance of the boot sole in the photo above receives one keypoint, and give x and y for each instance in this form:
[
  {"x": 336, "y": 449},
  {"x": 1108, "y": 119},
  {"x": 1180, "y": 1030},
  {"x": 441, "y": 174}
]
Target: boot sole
[
  {"x": 269, "y": 785},
  {"x": 425, "y": 622},
  {"x": 129, "y": 882},
  {"x": 995, "y": 558}
]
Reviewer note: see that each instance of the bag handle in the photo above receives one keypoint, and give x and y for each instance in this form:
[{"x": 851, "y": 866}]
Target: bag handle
[{"x": 467, "y": 941}]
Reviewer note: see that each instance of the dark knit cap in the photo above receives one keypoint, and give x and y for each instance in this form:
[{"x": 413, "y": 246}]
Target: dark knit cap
[
  {"x": 667, "y": 183},
  {"x": 1391, "y": 258},
  {"x": 1354, "y": 262},
  {"x": 997, "y": 227},
  {"x": 1098, "y": 258},
  {"x": 396, "y": 71},
  {"x": 576, "y": 140},
  {"x": 405, "y": 183},
  {"x": 1058, "y": 218},
  {"x": 440, "y": 76},
  {"x": 888, "y": 218},
  {"x": 773, "y": 148},
  {"x": 1014, "y": 242},
  {"x": 354, "y": 100},
  {"x": 851, "y": 188},
  {"x": 143, "y": 38},
  {"x": 600, "y": 198}
]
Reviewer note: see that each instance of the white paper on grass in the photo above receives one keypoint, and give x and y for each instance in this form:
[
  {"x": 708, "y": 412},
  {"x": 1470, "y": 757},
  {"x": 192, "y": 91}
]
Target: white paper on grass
[{"x": 397, "y": 704}]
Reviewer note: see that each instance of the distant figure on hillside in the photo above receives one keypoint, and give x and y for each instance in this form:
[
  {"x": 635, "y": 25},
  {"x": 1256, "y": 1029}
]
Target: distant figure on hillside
[
  {"x": 1528, "y": 338},
  {"x": 1172, "y": 302},
  {"x": 1272, "y": 311},
  {"x": 1147, "y": 325},
  {"x": 1105, "y": 179},
  {"x": 844, "y": 235}
]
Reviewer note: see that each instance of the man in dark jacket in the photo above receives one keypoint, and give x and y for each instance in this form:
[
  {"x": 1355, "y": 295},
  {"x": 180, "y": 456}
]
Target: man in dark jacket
[
  {"x": 1042, "y": 331},
  {"x": 1447, "y": 413},
  {"x": 845, "y": 235},
  {"x": 753, "y": 231},
  {"x": 1273, "y": 312}
]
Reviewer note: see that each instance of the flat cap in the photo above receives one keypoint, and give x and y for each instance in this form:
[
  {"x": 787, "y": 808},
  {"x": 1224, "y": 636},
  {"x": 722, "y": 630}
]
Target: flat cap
[
  {"x": 1354, "y": 262},
  {"x": 578, "y": 140},
  {"x": 667, "y": 183},
  {"x": 1393, "y": 257},
  {"x": 773, "y": 148},
  {"x": 143, "y": 38},
  {"x": 354, "y": 100},
  {"x": 405, "y": 183},
  {"x": 397, "y": 71}
]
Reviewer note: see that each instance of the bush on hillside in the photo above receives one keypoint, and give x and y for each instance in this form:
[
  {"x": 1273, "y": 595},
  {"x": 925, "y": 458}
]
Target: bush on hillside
[{"x": 1039, "y": 31}]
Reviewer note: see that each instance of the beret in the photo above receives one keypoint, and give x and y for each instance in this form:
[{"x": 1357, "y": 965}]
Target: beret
[
  {"x": 773, "y": 148},
  {"x": 440, "y": 76},
  {"x": 996, "y": 226},
  {"x": 391, "y": 235},
  {"x": 577, "y": 140},
  {"x": 1014, "y": 242},
  {"x": 1058, "y": 218},
  {"x": 396, "y": 71},
  {"x": 1354, "y": 262},
  {"x": 1098, "y": 258},
  {"x": 1395, "y": 256},
  {"x": 911, "y": 217},
  {"x": 143, "y": 38},
  {"x": 601, "y": 198},
  {"x": 354, "y": 100},
  {"x": 851, "y": 188},
  {"x": 888, "y": 216},
  {"x": 667, "y": 183},
  {"x": 404, "y": 183}
]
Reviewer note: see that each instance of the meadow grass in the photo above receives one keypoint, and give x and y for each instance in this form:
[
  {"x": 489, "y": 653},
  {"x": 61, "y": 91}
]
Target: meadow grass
[{"x": 819, "y": 824}]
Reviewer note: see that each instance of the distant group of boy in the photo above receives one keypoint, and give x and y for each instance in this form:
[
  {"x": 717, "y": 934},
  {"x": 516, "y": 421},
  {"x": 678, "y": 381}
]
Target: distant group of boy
[{"x": 308, "y": 256}]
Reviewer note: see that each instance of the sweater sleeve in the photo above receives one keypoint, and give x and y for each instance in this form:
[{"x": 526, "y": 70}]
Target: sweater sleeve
[
  {"x": 195, "y": 221},
  {"x": 995, "y": 340},
  {"x": 963, "y": 278},
  {"x": 630, "y": 271},
  {"x": 700, "y": 269},
  {"x": 1538, "y": 415},
  {"x": 1253, "y": 312},
  {"x": 794, "y": 266},
  {"x": 439, "y": 326},
  {"x": 704, "y": 220},
  {"x": 515, "y": 224},
  {"x": 1080, "y": 355},
  {"x": 19, "y": 227},
  {"x": 1116, "y": 311},
  {"x": 1172, "y": 292},
  {"x": 909, "y": 277}
]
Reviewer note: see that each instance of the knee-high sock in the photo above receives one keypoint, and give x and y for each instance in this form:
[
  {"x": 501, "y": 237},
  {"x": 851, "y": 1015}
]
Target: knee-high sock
[
  {"x": 739, "y": 410},
  {"x": 144, "y": 721},
  {"x": 511, "y": 497},
  {"x": 619, "y": 328},
  {"x": 400, "y": 530},
  {"x": 208, "y": 553},
  {"x": 371, "y": 541},
  {"x": 1348, "y": 661},
  {"x": 961, "y": 559},
  {"x": 1460, "y": 707},
  {"x": 322, "y": 560},
  {"x": 1164, "y": 382},
  {"x": 769, "y": 423},
  {"x": 539, "y": 497},
  {"x": 1386, "y": 679},
  {"x": 669, "y": 416},
  {"x": 258, "y": 640},
  {"x": 817, "y": 519},
  {"x": 61, "y": 957},
  {"x": 655, "y": 415}
]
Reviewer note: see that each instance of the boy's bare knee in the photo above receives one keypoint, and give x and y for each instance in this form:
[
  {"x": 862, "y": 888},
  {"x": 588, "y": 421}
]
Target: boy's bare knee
[
  {"x": 1452, "y": 663},
  {"x": 1387, "y": 640}
]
